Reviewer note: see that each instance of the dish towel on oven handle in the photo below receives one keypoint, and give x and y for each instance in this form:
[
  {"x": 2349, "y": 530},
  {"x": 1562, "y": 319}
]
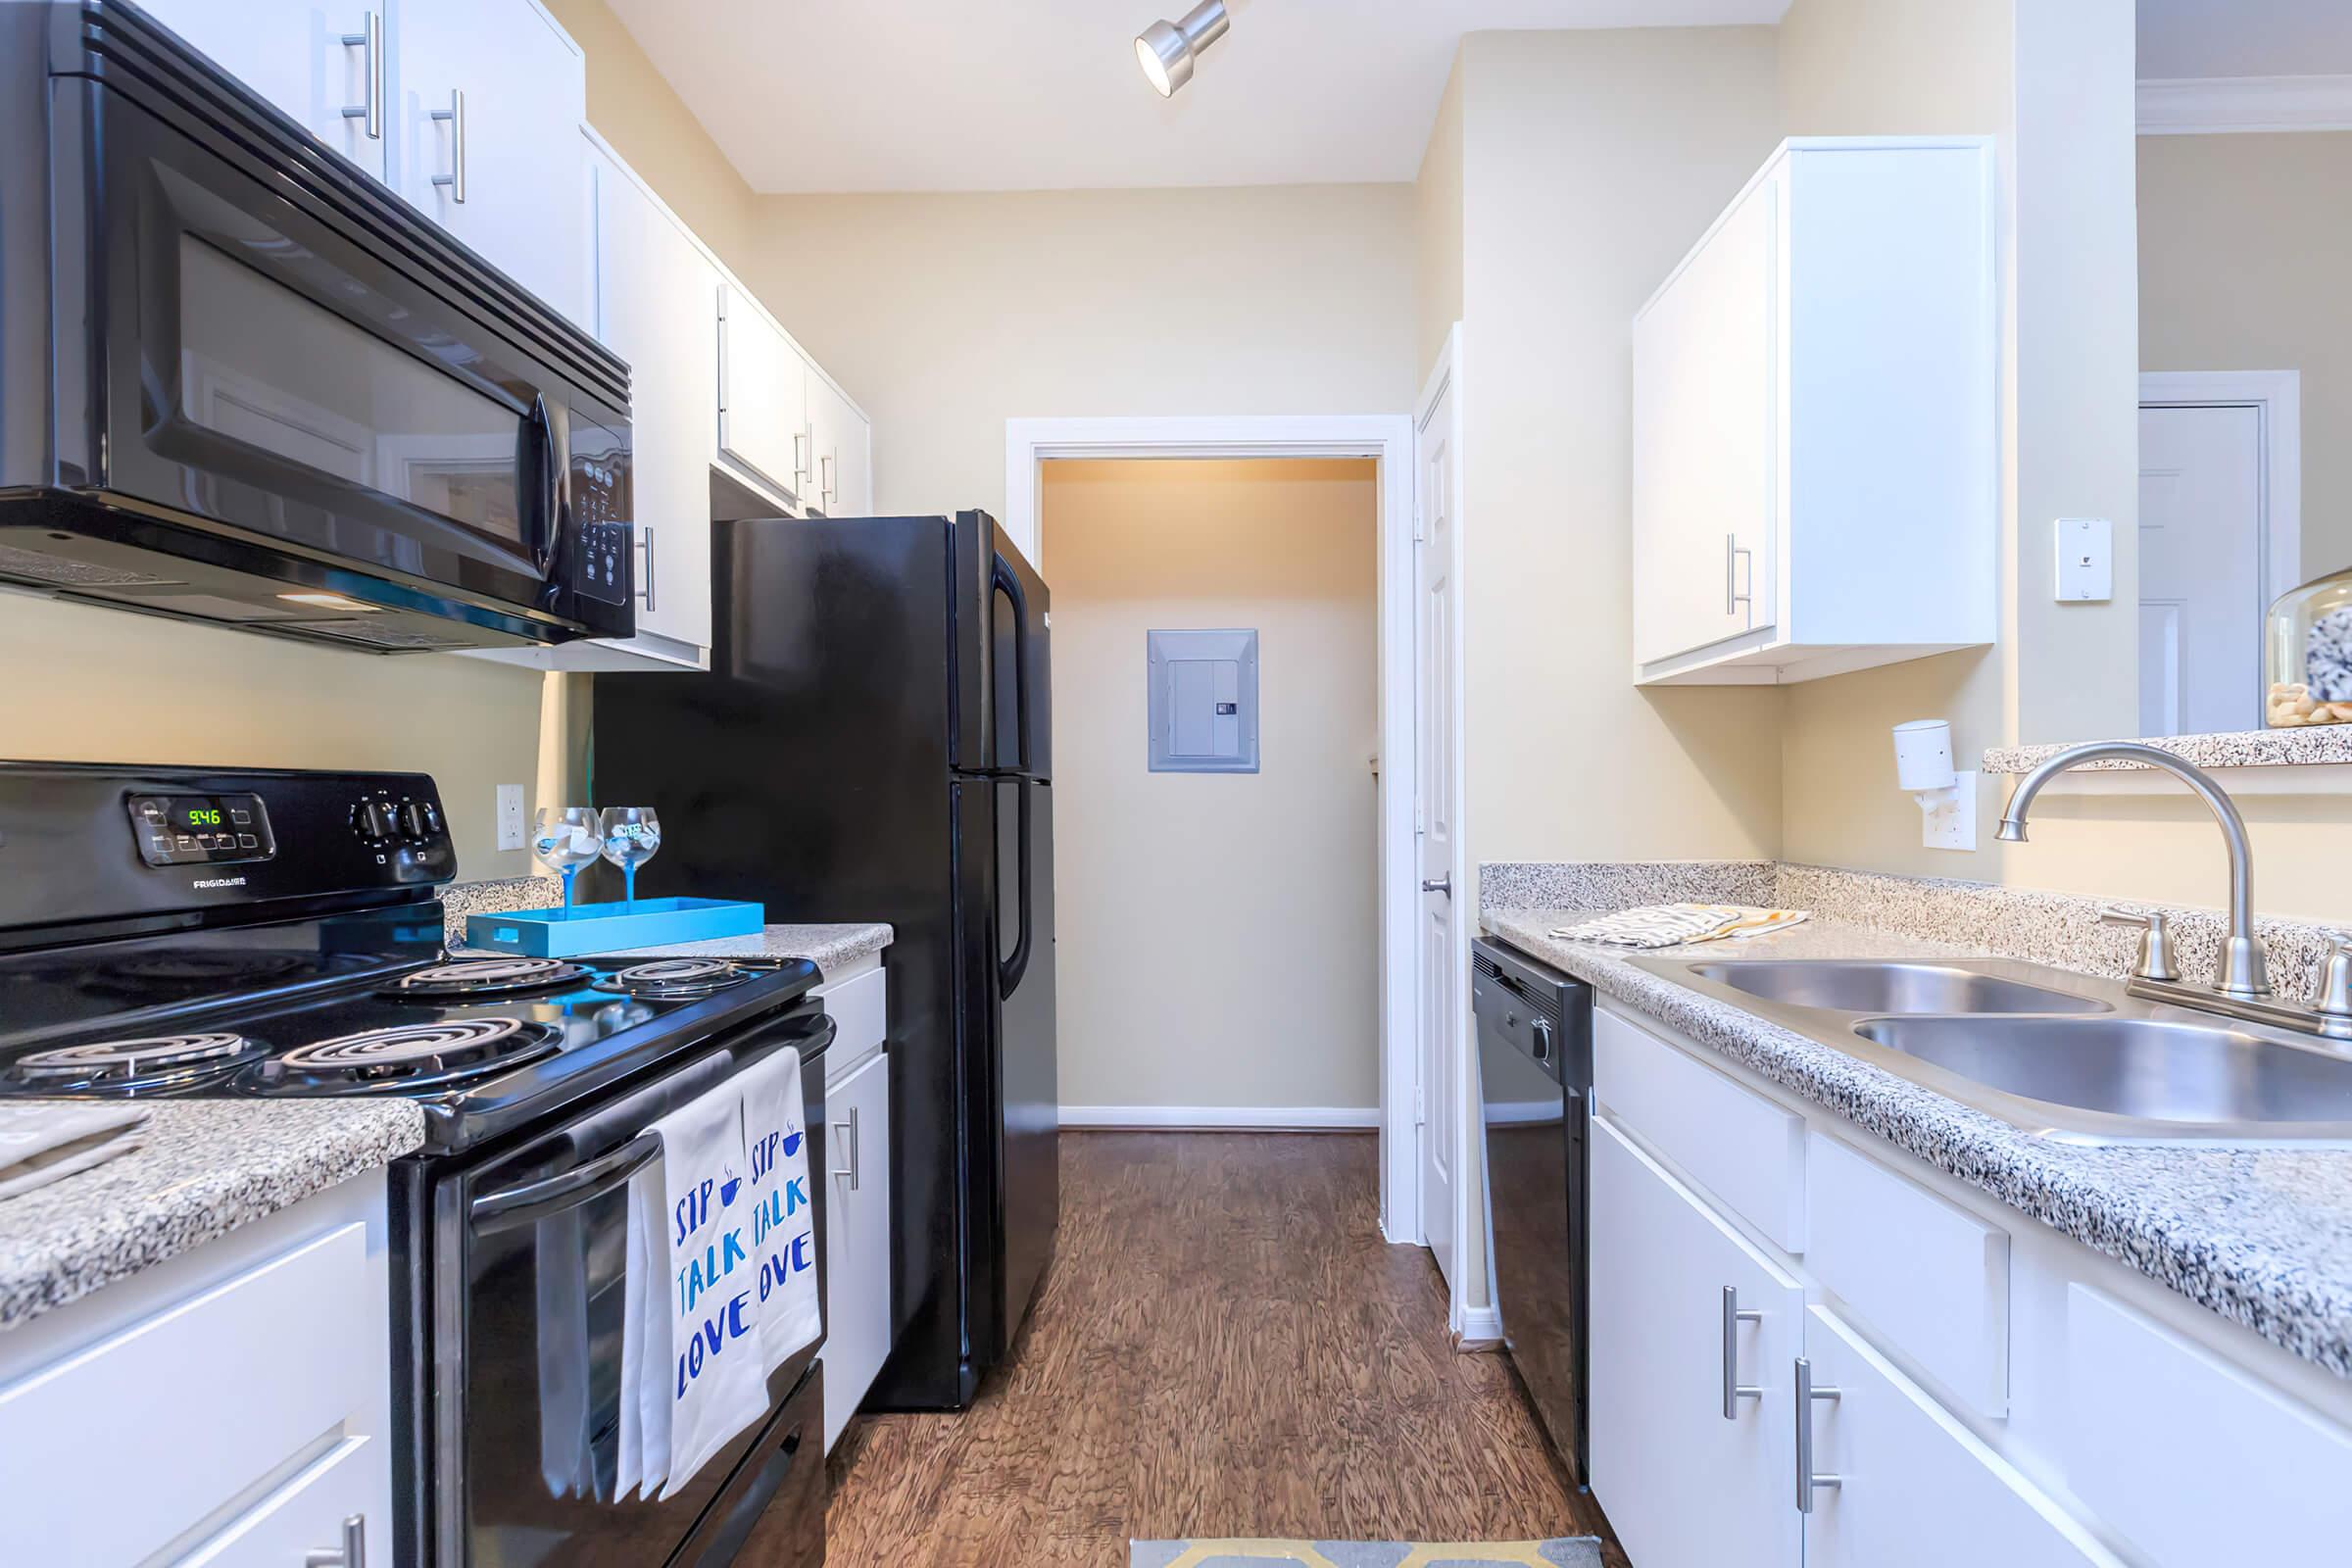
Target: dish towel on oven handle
[
  {"x": 720, "y": 1264},
  {"x": 692, "y": 1297},
  {"x": 784, "y": 1211}
]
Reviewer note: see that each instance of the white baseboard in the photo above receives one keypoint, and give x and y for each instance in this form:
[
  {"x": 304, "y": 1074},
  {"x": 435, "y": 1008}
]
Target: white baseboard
[
  {"x": 1482, "y": 1329},
  {"x": 1221, "y": 1118}
]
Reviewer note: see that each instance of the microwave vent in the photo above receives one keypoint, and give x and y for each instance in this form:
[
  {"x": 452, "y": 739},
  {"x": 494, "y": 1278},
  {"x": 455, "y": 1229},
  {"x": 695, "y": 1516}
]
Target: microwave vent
[
  {"x": 31, "y": 565},
  {"x": 389, "y": 637}
]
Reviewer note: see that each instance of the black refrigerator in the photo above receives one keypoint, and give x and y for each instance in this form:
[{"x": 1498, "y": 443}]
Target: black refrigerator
[{"x": 873, "y": 742}]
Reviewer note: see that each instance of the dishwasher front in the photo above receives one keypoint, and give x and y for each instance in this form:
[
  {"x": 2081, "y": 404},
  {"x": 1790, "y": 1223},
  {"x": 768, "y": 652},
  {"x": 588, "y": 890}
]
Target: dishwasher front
[{"x": 1535, "y": 1060}]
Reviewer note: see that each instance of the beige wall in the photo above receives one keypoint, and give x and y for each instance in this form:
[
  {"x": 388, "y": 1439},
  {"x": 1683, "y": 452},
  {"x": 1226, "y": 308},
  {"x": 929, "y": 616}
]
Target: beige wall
[
  {"x": 1218, "y": 942},
  {"x": 1590, "y": 162},
  {"x": 2054, "y": 85},
  {"x": 88, "y": 685},
  {"x": 1437, "y": 227},
  {"x": 635, "y": 109},
  {"x": 2245, "y": 264},
  {"x": 946, "y": 315}
]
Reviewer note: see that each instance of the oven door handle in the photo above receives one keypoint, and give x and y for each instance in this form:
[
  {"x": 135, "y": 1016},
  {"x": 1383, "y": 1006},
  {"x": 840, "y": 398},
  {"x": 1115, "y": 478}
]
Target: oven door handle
[{"x": 532, "y": 1200}]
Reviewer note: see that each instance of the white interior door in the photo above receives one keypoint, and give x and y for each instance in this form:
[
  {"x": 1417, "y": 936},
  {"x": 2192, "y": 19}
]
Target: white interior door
[
  {"x": 1442, "y": 954},
  {"x": 2200, "y": 570}
]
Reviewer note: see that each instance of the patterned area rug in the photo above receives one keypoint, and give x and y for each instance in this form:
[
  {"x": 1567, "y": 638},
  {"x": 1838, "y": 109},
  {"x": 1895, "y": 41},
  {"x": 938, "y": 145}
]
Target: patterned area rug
[{"x": 1581, "y": 1552}]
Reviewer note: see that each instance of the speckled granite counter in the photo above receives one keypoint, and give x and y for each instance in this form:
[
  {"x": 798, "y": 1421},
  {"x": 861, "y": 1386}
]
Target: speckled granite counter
[
  {"x": 829, "y": 947},
  {"x": 2302, "y": 746},
  {"x": 2264, "y": 1237},
  {"x": 207, "y": 1167}
]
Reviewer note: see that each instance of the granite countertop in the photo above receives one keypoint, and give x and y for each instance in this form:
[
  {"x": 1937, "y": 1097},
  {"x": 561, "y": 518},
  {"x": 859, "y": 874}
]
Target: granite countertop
[
  {"x": 207, "y": 1167},
  {"x": 828, "y": 946},
  {"x": 2302, "y": 744},
  {"x": 2262, "y": 1237}
]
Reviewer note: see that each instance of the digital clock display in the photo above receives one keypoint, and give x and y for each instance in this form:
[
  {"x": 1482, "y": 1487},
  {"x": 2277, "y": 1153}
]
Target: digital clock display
[{"x": 201, "y": 829}]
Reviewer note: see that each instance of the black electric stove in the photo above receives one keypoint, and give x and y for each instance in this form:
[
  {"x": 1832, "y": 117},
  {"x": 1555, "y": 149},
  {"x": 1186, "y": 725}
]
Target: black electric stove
[
  {"x": 172, "y": 933},
  {"x": 485, "y": 1045}
]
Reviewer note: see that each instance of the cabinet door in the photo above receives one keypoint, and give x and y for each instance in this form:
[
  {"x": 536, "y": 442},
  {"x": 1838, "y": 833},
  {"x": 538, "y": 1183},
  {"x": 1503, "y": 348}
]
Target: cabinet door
[
  {"x": 1914, "y": 1486},
  {"x": 838, "y": 436},
  {"x": 856, "y": 1240},
  {"x": 504, "y": 170},
  {"x": 653, "y": 289},
  {"x": 763, "y": 398},
  {"x": 293, "y": 53},
  {"x": 1706, "y": 439},
  {"x": 1686, "y": 1486}
]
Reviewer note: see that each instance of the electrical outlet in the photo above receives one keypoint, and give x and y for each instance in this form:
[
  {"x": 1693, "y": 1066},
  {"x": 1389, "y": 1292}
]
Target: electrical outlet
[
  {"x": 510, "y": 816},
  {"x": 1951, "y": 823}
]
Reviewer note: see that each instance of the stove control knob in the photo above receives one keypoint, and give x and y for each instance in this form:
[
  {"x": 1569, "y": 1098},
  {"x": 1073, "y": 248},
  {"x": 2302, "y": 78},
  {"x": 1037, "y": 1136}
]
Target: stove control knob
[
  {"x": 376, "y": 821},
  {"x": 420, "y": 821}
]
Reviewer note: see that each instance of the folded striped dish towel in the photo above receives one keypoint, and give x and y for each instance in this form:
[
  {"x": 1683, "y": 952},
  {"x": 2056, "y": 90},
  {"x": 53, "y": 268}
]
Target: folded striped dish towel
[{"x": 1667, "y": 925}]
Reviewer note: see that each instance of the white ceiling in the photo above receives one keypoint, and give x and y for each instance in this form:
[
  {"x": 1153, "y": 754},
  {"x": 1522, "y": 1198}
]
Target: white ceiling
[
  {"x": 2244, "y": 38},
  {"x": 872, "y": 95}
]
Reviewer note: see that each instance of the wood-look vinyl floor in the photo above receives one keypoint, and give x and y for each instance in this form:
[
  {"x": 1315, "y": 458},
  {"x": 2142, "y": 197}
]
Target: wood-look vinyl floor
[{"x": 1224, "y": 1346}]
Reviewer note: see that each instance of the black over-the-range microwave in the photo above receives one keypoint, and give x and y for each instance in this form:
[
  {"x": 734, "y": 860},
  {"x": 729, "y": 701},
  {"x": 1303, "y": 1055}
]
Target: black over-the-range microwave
[{"x": 243, "y": 383}]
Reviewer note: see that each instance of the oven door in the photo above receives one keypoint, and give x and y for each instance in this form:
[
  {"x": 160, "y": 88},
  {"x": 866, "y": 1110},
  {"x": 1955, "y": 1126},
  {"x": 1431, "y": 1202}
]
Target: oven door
[
  {"x": 524, "y": 1367},
  {"x": 278, "y": 354}
]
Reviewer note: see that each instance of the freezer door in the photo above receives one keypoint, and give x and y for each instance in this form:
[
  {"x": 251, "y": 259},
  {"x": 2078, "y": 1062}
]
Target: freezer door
[{"x": 1004, "y": 678}]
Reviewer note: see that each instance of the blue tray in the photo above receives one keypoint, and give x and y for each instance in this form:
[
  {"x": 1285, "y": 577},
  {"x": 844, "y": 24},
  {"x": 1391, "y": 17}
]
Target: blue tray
[{"x": 612, "y": 927}]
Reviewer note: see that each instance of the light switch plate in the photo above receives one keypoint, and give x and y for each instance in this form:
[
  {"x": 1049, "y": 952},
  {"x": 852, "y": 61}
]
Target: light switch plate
[
  {"x": 510, "y": 816},
  {"x": 1951, "y": 824},
  {"x": 2086, "y": 559}
]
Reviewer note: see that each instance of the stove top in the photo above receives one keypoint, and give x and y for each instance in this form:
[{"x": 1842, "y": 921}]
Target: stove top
[{"x": 484, "y": 1043}]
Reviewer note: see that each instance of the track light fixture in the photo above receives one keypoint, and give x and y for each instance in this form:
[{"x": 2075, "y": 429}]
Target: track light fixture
[{"x": 1166, "y": 49}]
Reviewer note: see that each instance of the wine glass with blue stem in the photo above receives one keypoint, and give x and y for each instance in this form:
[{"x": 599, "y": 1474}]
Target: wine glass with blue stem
[
  {"x": 566, "y": 838},
  {"x": 632, "y": 837}
]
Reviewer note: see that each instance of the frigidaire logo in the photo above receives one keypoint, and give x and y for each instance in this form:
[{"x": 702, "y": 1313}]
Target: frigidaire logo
[{"x": 217, "y": 882}]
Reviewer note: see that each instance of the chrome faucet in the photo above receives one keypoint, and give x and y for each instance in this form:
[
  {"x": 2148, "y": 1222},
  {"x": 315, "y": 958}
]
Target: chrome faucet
[{"x": 2243, "y": 971}]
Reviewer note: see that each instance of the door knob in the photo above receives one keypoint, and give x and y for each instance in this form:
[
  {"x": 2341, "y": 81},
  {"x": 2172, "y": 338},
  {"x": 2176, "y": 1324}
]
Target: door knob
[{"x": 1439, "y": 884}]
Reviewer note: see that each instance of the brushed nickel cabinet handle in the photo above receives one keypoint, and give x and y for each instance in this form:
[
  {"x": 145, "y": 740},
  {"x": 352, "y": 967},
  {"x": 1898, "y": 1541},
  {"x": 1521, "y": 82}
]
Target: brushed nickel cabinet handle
[
  {"x": 850, "y": 1171},
  {"x": 1733, "y": 1390},
  {"x": 352, "y": 1553},
  {"x": 644, "y": 542},
  {"x": 455, "y": 114},
  {"x": 370, "y": 107},
  {"x": 1733, "y": 598},
  {"x": 1807, "y": 1481}
]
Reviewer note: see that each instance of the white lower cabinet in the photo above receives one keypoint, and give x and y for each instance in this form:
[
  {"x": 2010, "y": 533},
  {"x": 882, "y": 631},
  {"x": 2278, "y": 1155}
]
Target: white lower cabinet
[
  {"x": 860, "y": 1318},
  {"x": 1986, "y": 1390},
  {"x": 1914, "y": 1486},
  {"x": 857, "y": 1241},
  {"x": 1685, "y": 1485},
  {"x": 231, "y": 1405}
]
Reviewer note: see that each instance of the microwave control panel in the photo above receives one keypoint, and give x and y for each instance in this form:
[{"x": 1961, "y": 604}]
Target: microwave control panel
[{"x": 599, "y": 514}]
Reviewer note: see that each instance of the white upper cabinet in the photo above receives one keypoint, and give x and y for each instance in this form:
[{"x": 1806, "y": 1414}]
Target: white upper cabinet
[
  {"x": 491, "y": 96},
  {"x": 763, "y": 399},
  {"x": 1816, "y": 436},
  {"x": 844, "y": 483},
  {"x": 312, "y": 61}
]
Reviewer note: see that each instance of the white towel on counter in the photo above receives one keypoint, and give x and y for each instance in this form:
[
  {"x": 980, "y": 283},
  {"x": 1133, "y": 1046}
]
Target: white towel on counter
[
  {"x": 1667, "y": 925},
  {"x": 721, "y": 1274},
  {"x": 42, "y": 1143}
]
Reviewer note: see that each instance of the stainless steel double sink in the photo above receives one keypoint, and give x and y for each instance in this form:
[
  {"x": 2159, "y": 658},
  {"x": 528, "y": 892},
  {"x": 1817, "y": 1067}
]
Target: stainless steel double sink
[{"x": 2065, "y": 1056}]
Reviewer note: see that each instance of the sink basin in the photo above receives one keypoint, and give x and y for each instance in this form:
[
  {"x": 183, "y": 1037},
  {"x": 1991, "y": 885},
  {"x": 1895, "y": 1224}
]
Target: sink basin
[
  {"x": 2154, "y": 1070},
  {"x": 1895, "y": 988}
]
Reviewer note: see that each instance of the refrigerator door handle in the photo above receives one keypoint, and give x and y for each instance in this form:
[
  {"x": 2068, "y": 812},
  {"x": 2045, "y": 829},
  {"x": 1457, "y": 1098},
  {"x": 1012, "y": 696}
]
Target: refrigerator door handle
[
  {"x": 1010, "y": 971},
  {"x": 1006, "y": 582}
]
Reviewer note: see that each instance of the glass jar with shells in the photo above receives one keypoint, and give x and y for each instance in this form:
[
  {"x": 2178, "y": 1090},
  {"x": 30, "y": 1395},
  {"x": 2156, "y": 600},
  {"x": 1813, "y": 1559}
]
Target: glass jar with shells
[{"x": 2306, "y": 654}]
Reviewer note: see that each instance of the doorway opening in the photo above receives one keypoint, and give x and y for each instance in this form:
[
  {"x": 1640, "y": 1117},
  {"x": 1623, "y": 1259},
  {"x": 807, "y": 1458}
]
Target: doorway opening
[{"x": 1384, "y": 444}]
